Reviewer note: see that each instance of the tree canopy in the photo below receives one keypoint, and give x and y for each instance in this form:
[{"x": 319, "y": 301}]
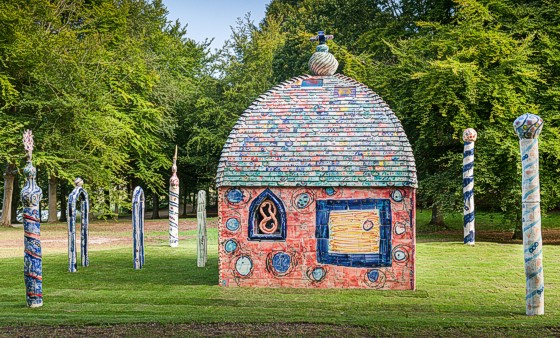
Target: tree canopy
[{"x": 110, "y": 87}]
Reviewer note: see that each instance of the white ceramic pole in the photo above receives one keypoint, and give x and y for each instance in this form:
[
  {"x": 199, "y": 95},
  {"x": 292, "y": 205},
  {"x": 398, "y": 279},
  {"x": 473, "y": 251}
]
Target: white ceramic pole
[
  {"x": 174, "y": 205},
  {"x": 138, "y": 228},
  {"x": 469, "y": 137},
  {"x": 528, "y": 128},
  {"x": 202, "y": 251}
]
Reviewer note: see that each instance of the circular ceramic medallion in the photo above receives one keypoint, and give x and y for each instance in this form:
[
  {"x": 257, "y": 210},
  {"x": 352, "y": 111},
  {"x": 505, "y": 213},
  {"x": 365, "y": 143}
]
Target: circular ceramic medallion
[
  {"x": 368, "y": 225},
  {"x": 281, "y": 262},
  {"x": 400, "y": 228},
  {"x": 330, "y": 191},
  {"x": 230, "y": 246},
  {"x": 397, "y": 195},
  {"x": 375, "y": 278},
  {"x": 244, "y": 265},
  {"x": 400, "y": 254},
  {"x": 235, "y": 196},
  {"x": 303, "y": 200},
  {"x": 373, "y": 275},
  {"x": 316, "y": 274},
  {"x": 232, "y": 224}
]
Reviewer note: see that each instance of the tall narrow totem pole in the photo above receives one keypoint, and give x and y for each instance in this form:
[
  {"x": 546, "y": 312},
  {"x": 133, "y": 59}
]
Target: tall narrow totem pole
[
  {"x": 138, "y": 228},
  {"x": 78, "y": 193},
  {"x": 469, "y": 137},
  {"x": 202, "y": 243},
  {"x": 31, "y": 196},
  {"x": 528, "y": 127},
  {"x": 174, "y": 204}
]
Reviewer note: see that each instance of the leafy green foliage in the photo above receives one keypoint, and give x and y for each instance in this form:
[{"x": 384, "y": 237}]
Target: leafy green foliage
[
  {"x": 97, "y": 82},
  {"x": 109, "y": 87},
  {"x": 444, "y": 66}
]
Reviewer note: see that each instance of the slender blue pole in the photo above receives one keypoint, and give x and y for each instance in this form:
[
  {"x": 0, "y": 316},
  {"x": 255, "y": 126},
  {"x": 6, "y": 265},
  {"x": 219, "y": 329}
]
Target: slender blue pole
[
  {"x": 31, "y": 196},
  {"x": 469, "y": 137},
  {"x": 138, "y": 227}
]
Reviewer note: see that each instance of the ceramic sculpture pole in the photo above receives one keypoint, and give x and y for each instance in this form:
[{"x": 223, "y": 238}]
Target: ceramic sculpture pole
[
  {"x": 528, "y": 128},
  {"x": 469, "y": 137},
  {"x": 138, "y": 227},
  {"x": 78, "y": 193},
  {"x": 174, "y": 204},
  {"x": 31, "y": 196},
  {"x": 202, "y": 245}
]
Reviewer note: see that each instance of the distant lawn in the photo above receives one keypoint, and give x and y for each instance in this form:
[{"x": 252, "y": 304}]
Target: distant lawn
[
  {"x": 486, "y": 221},
  {"x": 476, "y": 291}
]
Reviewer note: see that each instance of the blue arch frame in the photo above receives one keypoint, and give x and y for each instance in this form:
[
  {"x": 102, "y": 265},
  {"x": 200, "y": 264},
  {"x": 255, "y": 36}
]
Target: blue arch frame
[
  {"x": 253, "y": 235},
  {"x": 78, "y": 194}
]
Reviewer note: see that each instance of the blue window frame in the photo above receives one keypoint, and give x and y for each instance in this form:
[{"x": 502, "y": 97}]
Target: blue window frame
[
  {"x": 359, "y": 260},
  {"x": 258, "y": 223}
]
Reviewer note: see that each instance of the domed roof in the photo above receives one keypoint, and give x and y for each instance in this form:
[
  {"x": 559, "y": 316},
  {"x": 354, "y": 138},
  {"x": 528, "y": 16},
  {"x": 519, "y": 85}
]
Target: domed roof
[{"x": 320, "y": 131}]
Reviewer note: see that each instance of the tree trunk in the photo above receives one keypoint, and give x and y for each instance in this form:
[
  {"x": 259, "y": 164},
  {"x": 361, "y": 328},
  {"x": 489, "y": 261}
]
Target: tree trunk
[
  {"x": 63, "y": 201},
  {"x": 155, "y": 207},
  {"x": 518, "y": 231},
  {"x": 193, "y": 202},
  {"x": 437, "y": 218},
  {"x": 9, "y": 177},
  {"x": 16, "y": 202},
  {"x": 53, "y": 207},
  {"x": 185, "y": 194},
  {"x": 107, "y": 211},
  {"x": 116, "y": 211}
]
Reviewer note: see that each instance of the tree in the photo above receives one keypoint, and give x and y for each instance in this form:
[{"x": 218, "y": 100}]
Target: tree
[
  {"x": 226, "y": 86},
  {"x": 97, "y": 82},
  {"x": 468, "y": 73}
]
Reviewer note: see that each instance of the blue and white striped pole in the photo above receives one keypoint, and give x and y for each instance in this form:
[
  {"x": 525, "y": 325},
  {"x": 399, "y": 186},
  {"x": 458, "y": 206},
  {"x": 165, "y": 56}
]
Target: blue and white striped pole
[
  {"x": 31, "y": 195},
  {"x": 138, "y": 227},
  {"x": 78, "y": 193},
  {"x": 528, "y": 127},
  {"x": 469, "y": 137},
  {"x": 174, "y": 204}
]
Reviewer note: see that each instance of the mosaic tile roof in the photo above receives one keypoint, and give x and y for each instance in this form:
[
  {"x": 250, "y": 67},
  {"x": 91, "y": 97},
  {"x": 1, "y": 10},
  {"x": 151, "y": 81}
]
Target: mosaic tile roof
[{"x": 318, "y": 131}]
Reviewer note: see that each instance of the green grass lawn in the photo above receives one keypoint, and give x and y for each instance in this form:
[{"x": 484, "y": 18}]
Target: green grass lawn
[
  {"x": 488, "y": 221},
  {"x": 460, "y": 291}
]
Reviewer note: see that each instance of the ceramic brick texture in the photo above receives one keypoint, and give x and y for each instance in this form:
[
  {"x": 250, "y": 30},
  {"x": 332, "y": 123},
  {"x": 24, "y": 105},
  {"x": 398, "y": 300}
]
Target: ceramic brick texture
[{"x": 293, "y": 261}]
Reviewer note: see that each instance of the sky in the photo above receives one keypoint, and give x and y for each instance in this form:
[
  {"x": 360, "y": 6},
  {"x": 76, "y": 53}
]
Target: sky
[{"x": 213, "y": 18}]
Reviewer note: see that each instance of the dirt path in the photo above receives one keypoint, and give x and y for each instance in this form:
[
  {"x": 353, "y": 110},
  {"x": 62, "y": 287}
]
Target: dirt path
[
  {"x": 111, "y": 234},
  {"x": 102, "y": 235}
]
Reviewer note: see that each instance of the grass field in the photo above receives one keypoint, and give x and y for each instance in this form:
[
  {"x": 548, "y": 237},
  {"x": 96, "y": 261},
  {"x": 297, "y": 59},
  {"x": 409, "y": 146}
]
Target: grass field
[{"x": 461, "y": 291}]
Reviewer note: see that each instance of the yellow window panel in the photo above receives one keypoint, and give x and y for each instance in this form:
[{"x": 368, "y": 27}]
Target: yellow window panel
[{"x": 354, "y": 231}]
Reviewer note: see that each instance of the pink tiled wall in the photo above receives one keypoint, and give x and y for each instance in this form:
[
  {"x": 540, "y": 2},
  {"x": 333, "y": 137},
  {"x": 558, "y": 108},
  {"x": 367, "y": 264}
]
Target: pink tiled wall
[{"x": 300, "y": 243}]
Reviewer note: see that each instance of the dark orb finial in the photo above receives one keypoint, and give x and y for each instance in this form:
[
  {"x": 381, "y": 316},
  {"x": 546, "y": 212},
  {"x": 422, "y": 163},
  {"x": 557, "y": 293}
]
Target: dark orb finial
[{"x": 321, "y": 37}]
